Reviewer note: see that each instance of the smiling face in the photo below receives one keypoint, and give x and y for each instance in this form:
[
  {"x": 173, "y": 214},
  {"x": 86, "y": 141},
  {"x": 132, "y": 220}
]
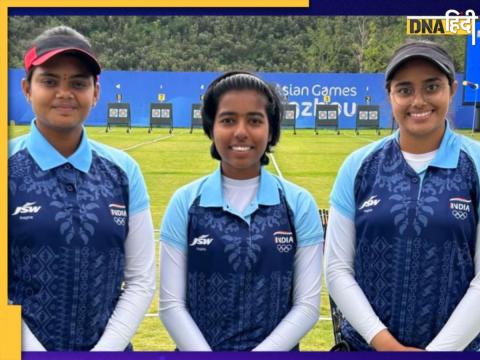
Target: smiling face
[
  {"x": 62, "y": 92},
  {"x": 420, "y": 95},
  {"x": 241, "y": 132}
]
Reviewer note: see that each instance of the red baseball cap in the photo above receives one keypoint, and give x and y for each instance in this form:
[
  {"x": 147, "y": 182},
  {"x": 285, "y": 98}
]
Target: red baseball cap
[{"x": 47, "y": 47}]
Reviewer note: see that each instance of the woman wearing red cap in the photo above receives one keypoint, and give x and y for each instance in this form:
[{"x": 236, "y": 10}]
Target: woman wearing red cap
[
  {"x": 403, "y": 238},
  {"x": 81, "y": 250}
]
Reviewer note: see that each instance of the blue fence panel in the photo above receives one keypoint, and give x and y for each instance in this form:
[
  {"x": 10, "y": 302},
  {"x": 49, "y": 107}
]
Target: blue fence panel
[{"x": 182, "y": 89}]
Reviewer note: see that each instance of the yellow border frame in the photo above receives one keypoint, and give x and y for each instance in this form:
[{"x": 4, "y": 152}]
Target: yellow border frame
[
  {"x": 158, "y": 3},
  {"x": 10, "y": 316}
]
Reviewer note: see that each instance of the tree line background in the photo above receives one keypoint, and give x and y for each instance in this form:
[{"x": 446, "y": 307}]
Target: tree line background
[{"x": 219, "y": 43}]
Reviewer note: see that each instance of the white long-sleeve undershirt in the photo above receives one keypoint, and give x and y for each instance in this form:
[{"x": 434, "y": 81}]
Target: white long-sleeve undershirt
[
  {"x": 298, "y": 321},
  {"x": 138, "y": 291},
  {"x": 460, "y": 329}
]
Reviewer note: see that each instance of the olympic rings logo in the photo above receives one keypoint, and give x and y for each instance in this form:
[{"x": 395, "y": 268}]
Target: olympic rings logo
[
  {"x": 120, "y": 221},
  {"x": 284, "y": 248},
  {"x": 460, "y": 215}
]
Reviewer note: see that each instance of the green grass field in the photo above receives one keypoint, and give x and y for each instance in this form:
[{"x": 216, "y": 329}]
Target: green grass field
[{"x": 169, "y": 162}]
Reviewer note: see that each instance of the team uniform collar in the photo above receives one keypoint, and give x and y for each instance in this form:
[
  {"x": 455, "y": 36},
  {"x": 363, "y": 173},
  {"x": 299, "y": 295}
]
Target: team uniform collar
[
  {"x": 212, "y": 194},
  {"x": 449, "y": 151},
  {"x": 47, "y": 157}
]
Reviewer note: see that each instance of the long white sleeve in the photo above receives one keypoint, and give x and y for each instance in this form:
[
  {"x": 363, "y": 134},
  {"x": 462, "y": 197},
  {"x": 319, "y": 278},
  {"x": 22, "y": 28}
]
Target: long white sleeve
[
  {"x": 464, "y": 323},
  {"x": 306, "y": 301},
  {"x": 139, "y": 286},
  {"x": 29, "y": 341},
  {"x": 173, "y": 310},
  {"x": 299, "y": 320},
  {"x": 462, "y": 326},
  {"x": 341, "y": 283}
]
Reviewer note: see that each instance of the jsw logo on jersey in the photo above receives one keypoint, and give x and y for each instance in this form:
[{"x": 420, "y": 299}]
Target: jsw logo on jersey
[
  {"x": 460, "y": 207},
  {"x": 27, "y": 208},
  {"x": 371, "y": 202},
  {"x": 203, "y": 240}
]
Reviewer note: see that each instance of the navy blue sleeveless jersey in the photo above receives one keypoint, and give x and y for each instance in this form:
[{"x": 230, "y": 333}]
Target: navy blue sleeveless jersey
[
  {"x": 240, "y": 266},
  {"x": 68, "y": 220},
  {"x": 415, "y": 234}
]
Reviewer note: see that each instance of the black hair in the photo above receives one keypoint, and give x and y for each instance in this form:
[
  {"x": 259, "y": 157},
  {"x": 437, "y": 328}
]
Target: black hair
[
  {"x": 241, "y": 80},
  {"x": 51, "y": 38},
  {"x": 422, "y": 49}
]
